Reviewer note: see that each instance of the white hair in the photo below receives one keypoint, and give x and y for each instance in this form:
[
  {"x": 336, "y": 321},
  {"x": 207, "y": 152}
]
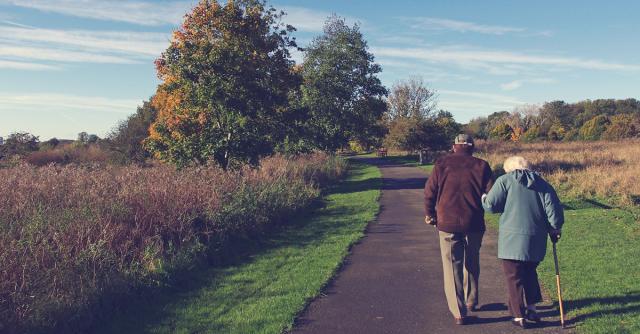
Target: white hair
[{"x": 515, "y": 162}]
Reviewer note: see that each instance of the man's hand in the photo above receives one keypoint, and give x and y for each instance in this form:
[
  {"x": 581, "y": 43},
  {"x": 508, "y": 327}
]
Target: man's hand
[
  {"x": 430, "y": 220},
  {"x": 554, "y": 235}
]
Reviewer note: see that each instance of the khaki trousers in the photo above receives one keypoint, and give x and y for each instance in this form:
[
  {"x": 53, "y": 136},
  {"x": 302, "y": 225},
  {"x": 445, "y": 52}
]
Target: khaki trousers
[{"x": 461, "y": 267}]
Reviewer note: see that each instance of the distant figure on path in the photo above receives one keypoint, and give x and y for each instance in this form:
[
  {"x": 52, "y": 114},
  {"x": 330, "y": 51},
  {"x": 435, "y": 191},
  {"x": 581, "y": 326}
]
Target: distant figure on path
[
  {"x": 452, "y": 198},
  {"x": 530, "y": 211}
]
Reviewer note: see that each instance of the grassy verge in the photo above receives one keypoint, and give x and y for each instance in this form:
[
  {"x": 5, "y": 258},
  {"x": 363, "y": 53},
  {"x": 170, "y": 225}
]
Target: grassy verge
[
  {"x": 599, "y": 257},
  {"x": 264, "y": 291}
]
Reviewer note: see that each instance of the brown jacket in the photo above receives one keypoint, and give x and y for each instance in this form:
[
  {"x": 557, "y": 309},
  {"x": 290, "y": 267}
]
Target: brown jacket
[{"x": 453, "y": 192}]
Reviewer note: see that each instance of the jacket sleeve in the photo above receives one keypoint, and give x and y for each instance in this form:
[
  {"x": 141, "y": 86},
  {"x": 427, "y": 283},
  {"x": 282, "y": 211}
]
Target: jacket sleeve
[
  {"x": 487, "y": 177},
  {"x": 553, "y": 209},
  {"x": 496, "y": 198},
  {"x": 431, "y": 193}
]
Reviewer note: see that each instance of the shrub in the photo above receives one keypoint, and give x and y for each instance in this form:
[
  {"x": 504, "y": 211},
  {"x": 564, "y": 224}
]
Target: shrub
[
  {"x": 501, "y": 131},
  {"x": 531, "y": 134},
  {"x": 71, "y": 153},
  {"x": 557, "y": 131},
  {"x": 72, "y": 236},
  {"x": 593, "y": 128},
  {"x": 622, "y": 126}
]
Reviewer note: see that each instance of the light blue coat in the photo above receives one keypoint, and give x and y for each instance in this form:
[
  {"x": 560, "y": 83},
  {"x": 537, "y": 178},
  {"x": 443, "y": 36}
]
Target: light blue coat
[{"x": 530, "y": 208}]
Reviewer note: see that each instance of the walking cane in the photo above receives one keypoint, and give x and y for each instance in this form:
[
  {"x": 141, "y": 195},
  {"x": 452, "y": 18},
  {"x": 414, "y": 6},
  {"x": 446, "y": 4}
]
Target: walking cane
[{"x": 555, "y": 258}]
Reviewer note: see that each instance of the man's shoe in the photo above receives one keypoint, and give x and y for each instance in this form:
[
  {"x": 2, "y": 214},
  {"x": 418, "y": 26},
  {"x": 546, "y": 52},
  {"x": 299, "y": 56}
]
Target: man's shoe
[
  {"x": 532, "y": 316},
  {"x": 461, "y": 321},
  {"x": 520, "y": 323}
]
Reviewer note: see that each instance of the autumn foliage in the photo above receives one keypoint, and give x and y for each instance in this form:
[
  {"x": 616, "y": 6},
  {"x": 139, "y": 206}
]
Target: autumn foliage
[{"x": 225, "y": 82}]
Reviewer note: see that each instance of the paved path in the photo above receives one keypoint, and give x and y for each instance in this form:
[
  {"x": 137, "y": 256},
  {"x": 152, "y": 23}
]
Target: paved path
[{"x": 392, "y": 281}]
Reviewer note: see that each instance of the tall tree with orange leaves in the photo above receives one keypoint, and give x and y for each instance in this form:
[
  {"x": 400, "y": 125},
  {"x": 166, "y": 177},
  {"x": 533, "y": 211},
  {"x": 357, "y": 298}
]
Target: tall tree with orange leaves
[{"x": 226, "y": 78}]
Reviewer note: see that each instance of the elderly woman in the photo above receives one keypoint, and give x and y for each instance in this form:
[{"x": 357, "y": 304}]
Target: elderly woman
[{"x": 530, "y": 211}]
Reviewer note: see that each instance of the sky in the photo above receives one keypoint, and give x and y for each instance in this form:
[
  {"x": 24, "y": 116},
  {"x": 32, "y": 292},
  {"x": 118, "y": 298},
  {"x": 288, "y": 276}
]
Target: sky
[{"x": 68, "y": 66}]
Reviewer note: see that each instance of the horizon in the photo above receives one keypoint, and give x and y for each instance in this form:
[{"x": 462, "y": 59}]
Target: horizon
[{"x": 71, "y": 67}]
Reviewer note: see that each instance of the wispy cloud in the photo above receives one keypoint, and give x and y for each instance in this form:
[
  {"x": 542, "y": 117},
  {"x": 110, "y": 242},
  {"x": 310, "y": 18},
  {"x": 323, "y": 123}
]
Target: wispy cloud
[
  {"x": 61, "y": 115},
  {"x": 305, "y": 19},
  {"x": 510, "y": 62},
  {"x": 311, "y": 20},
  {"x": 126, "y": 42},
  {"x": 157, "y": 13},
  {"x": 515, "y": 84},
  {"x": 467, "y": 104},
  {"x": 57, "y": 102},
  {"x": 149, "y": 13},
  {"x": 433, "y": 23},
  {"x": 17, "y": 65},
  {"x": 511, "y": 85},
  {"x": 49, "y": 54},
  {"x": 25, "y": 47}
]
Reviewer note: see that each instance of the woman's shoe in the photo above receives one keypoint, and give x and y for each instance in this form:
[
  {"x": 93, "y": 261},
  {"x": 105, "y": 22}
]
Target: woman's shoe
[
  {"x": 532, "y": 316},
  {"x": 520, "y": 323}
]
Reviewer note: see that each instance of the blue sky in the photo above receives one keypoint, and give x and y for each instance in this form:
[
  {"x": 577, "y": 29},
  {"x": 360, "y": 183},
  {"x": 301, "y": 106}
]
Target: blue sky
[{"x": 83, "y": 65}]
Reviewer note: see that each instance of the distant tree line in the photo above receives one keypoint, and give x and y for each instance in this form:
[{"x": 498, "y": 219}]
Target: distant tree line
[{"x": 606, "y": 119}]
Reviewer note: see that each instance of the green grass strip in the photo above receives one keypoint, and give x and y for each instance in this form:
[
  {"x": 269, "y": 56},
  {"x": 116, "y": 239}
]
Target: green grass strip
[
  {"x": 599, "y": 256},
  {"x": 265, "y": 291}
]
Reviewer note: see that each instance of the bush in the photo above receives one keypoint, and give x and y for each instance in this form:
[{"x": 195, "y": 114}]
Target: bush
[
  {"x": 502, "y": 131},
  {"x": 593, "y": 128},
  {"x": 74, "y": 236},
  {"x": 531, "y": 134},
  {"x": 71, "y": 153},
  {"x": 621, "y": 127}
]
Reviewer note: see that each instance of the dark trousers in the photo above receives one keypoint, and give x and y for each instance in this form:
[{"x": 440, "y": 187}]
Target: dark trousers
[{"x": 522, "y": 283}]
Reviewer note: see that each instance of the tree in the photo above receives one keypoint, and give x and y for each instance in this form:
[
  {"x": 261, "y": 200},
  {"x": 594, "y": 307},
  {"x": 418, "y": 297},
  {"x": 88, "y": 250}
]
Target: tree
[
  {"x": 341, "y": 92},
  {"x": 19, "y": 143},
  {"x": 593, "y": 128},
  {"x": 495, "y": 119},
  {"x": 477, "y": 127},
  {"x": 501, "y": 131},
  {"x": 226, "y": 79},
  {"x": 411, "y": 98},
  {"x": 622, "y": 126},
  {"x": 126, "y": 139},
  {"x": 446, "y": 128},
  {"x": 92, "y": 139},
  {"x": 557, "y": 131},
  {"x": 555, "y": 112},
  {"x": 50, "y": 144},
  {"x": 83, "y": 138},
  {"x": 531, "y": 134}
]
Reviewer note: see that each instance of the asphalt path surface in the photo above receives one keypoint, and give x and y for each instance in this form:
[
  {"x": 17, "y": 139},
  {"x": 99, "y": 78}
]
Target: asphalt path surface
[{"x": 392, "y": 280}]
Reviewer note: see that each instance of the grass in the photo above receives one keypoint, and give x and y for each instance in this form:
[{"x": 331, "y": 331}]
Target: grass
[
  {"x": 578, "y": 169},
  {"x": 262, "y": 292},
  {"x": 408, "y": 161},
  {"x": 599, "y": 260},
  {"x": 74, "y": 237}
]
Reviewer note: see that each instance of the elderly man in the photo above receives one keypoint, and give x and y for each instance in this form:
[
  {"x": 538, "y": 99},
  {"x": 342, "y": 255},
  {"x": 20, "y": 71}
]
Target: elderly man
[{"x": 452, "y": 198}]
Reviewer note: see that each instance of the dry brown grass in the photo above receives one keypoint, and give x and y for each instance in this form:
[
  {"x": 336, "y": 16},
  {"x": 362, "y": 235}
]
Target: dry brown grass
[
  {"x": 70, "y": 153},
  {"x": 578, "y": 169},
  {"x": 72, "y": 234}
]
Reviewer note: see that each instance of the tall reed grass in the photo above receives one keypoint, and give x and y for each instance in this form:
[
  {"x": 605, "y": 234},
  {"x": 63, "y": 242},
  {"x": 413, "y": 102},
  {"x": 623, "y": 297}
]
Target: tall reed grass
[
  {"x": 72, "y": 235},
  {"x": 578, "y": 169}
]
